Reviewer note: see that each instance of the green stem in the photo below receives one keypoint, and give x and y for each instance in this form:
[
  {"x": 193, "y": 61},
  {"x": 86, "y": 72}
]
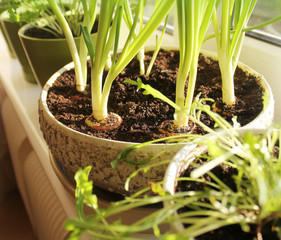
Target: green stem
[
  {"x": 71, "y": 44},
  {"x": 88, "y": 21},
  {"x": 157, "y": 48},
  {"x": 191, "y": 85},
  {"x": 130, "y": 50},
  {"x": 101, "y": 54},
  {"x": 98, "y": 112},
  {"x": 186, "y": 17},
  {"x": 228, "y": 94}
]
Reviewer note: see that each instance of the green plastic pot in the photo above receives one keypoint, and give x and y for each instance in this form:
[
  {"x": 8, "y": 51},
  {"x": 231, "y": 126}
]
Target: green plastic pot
[
  {"x": 3, "y": 6},
  {"x": 11, "y": 32},
  {"x": 7, "y": 42},
  {"x": 46, "y": 56}
]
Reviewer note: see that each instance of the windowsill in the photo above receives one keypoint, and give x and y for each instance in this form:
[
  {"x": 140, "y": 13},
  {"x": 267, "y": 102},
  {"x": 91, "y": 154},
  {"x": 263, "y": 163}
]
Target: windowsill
[{"x": 24, "y": 97}]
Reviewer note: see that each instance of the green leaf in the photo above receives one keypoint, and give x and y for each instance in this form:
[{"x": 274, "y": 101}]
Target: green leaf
[
  {"x": 89, "y": 43},
  {"x": 148, "y": 90}
]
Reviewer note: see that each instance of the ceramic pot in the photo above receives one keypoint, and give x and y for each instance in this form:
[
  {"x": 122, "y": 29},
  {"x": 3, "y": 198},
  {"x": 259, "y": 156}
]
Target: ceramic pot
[
  {"x": 74, "y": 150},
  {"x": 12, "y": 55},
  {"x": 11, "y": 33},
  {"x": 3, "y": 7},
  {"x": 45, "y": 56}
]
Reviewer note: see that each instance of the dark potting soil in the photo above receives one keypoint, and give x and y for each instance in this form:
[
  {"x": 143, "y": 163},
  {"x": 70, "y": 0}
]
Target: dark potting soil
[
  {"x": 39, "y": 33},
  {"x": 142, "y": 114},
  {"x": 234, "y": 232},
  {"x": 42, "y": 33}
]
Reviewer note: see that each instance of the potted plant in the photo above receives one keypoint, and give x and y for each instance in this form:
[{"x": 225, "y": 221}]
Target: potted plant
[
  {"x": 3, "y": 7},
  {"x": 236, "y": 15},
  {"x": 10, "y": 28},
  {"x": 243, "y": 201},
  {"x": 44, "y": 42},
  {"x": 72, "y": 159},
  {"x": 229, "y": 38},
  {"x": 106, "y": 150},
  {"x": 233, "y": 193}
]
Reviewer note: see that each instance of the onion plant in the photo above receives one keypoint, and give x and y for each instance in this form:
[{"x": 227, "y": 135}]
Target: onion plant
[
  {"x": 194, "y": 18},
  {"x": 79, "y": 57},
  {"x": 230, "y": 34},
  {"x": 193, "y": 21},
  {"x": 128, "y": 18},
  {"x": 230, "y": 31},
  {"x": 111, "y": 14},
  {"x": 254, "y": 200}
]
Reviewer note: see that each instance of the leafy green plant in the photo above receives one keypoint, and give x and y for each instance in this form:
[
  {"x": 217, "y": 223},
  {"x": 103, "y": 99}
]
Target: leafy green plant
[
  {"x": 255, "y": 199},
  {"x": 3, "y": 5},
  {"x": 97, "y": 224},
  {"x": 22, "y": 11},
  {"x": 39, "y": 12}
]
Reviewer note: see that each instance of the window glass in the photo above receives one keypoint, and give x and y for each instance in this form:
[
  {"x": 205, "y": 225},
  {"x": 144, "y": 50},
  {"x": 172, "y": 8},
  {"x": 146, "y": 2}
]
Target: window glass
[
  {"x": 264, "y": 11},
  {"x": 148, "y": 10}
]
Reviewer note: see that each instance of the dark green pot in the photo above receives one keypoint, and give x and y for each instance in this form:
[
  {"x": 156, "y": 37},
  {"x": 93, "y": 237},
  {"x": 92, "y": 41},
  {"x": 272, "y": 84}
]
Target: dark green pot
[
  {"x": 7, "y": 42},
  {"x": 11, "y": 32},
  {"x": 3, "y": 7},
  {"x": 45, "y": 56}
]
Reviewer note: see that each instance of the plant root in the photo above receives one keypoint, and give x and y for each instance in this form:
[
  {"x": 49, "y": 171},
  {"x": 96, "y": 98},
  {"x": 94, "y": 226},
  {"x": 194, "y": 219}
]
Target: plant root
[
  {"x": 219, "y": 110},
  {"x": 111, "y": 122},
  {"x": 170, "y": 129},
  {"x": 78, "y": 98}
]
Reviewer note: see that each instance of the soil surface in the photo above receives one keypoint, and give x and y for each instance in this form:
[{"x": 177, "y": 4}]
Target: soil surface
[
  {"x": 234, "y": 232},
  {"x": 142, "y": 114},
  {"x": 43, "y": 33}
]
